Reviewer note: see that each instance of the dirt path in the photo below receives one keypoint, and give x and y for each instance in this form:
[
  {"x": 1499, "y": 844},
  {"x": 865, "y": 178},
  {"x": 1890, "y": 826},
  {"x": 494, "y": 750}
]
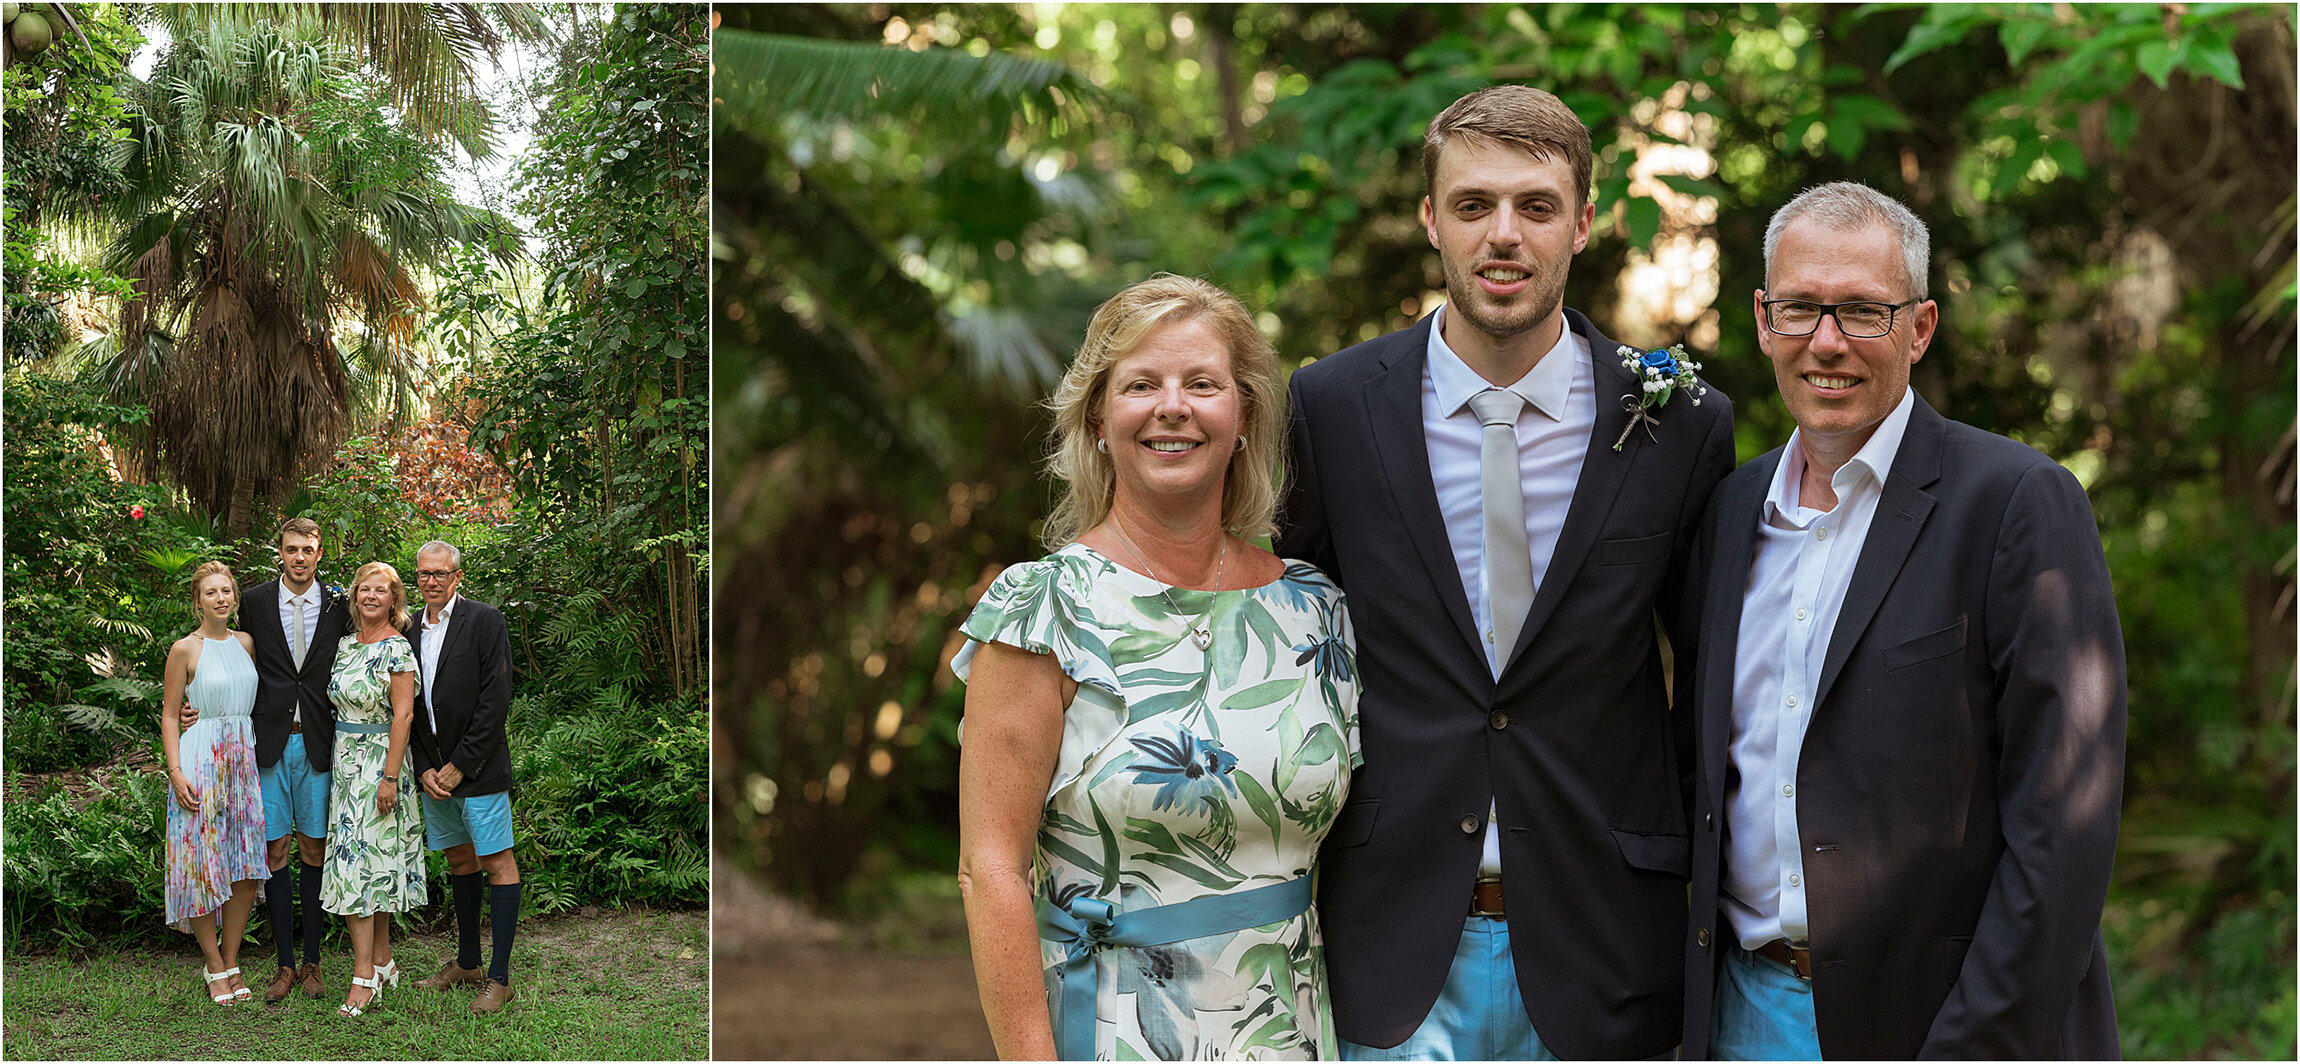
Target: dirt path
[
  {"x": 827, "y": 1004},
  {"x": 786, "y": 985}
]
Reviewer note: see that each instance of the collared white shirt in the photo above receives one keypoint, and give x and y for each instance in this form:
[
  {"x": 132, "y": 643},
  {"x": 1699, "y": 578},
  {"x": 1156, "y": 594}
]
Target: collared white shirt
[
  {"x": 308, "y": 604},
  {"x": 435, "y": 637},
  {"x": 1804, "y": 563},
  {"x": 1552, "y": 439}
]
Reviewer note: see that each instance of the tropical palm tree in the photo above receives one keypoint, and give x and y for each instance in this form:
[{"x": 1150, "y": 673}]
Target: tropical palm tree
[{"x": 272, "y": 204}]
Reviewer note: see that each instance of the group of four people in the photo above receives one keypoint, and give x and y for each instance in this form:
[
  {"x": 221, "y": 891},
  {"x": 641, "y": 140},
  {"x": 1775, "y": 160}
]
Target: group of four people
[
  {"x": 1207, "y": 809},
  {"x": 329, "y": 721}
]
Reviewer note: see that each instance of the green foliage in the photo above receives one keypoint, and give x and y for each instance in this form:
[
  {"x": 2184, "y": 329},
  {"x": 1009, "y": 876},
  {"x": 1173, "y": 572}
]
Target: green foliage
[
  {"x": 93, "y": 591},
  {"x": 596, "y": 404},
  {"x": 81, "y": 874},
  {"x": 611, "y": 802}
]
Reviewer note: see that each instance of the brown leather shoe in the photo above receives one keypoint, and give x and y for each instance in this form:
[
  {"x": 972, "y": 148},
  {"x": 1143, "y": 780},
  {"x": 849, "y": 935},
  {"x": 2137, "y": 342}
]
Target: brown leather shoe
[
  {"x": 308, "y": 976},
  {"x": 283, "y": 984},
  {"x": 450, "y": 974},
  {"x": 494, "y": 996}
]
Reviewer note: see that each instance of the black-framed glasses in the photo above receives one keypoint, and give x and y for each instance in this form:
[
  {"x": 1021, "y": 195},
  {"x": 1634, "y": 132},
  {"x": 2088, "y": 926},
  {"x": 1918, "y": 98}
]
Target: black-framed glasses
[
  {"x": 1860, "y": 318},
  {"x": 435, "y": 574}
]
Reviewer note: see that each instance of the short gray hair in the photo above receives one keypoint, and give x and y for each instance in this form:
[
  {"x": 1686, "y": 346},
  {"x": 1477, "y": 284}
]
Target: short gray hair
[
  {"x": 1849, "y": 205},
  {"x": 454, "y": 555}
]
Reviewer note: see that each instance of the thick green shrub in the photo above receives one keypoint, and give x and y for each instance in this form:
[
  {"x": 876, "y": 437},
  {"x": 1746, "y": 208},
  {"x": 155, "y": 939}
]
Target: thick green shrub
[{"x": 82, "y": 877}]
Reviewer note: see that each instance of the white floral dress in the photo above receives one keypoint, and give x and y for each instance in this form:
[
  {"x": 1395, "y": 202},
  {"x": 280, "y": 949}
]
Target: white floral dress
[
  {"x": 1185, "y": 774},
  {"x": 374, "y": 864}
]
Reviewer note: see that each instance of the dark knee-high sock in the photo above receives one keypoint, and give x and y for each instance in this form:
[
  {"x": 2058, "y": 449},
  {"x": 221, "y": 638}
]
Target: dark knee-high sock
[
  {"x": 503, "y": 910},
  {"x": 468, "y": 897},
  {"x": 314, "y": 922},
  {"x": 279, "y": 901}
]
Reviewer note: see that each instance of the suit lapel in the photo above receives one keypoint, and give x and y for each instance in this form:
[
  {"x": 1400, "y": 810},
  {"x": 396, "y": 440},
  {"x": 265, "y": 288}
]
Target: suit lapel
[
  {"x": 1731, "y": 555},
  {"x": 1901, "y": 513},
  {"x": 1603, "y": 472},
  {"x": 1394, "y": 411}
]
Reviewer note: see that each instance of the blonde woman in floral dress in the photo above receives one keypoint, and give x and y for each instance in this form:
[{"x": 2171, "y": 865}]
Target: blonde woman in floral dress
[
  {"x": 1161, "y": 717},
  {"x": 375, "y": 828},
  {"x": 216, "y": 817}
]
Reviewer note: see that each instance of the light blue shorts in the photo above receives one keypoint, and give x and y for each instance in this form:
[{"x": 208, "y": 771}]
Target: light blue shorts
[
  {"x": 1764, "y": 1012},
  {"x": 484, "y": 821},
  {"x": 295, "y": 797},
  {"x": 1479, "y": 1015}
]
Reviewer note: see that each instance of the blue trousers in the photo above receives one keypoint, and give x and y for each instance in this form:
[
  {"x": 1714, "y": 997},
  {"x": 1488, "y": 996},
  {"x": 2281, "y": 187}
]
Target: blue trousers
[
  {"x": 1479, "y": 1015},
  {"x": 1764, "y": 1012}
]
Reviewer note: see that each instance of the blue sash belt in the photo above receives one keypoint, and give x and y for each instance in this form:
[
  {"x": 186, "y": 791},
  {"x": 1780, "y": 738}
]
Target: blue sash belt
[
  {"x": 1091, "y": 925},
  {"x": 363, "y": 729}
]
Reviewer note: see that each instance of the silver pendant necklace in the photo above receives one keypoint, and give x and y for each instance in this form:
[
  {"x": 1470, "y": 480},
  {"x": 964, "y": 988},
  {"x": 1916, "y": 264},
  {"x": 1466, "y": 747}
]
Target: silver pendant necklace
[{"x": 1201, "y": 630}]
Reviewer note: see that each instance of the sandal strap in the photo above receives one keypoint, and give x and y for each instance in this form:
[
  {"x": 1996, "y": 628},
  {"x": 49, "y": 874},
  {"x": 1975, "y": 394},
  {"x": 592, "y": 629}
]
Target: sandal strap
[{"x": 371, "y": 984}]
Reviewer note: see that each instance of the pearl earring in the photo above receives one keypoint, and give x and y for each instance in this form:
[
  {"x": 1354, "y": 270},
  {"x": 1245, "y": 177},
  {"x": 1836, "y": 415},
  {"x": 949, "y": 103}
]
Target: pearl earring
[{"x": 1102, "y": 445}]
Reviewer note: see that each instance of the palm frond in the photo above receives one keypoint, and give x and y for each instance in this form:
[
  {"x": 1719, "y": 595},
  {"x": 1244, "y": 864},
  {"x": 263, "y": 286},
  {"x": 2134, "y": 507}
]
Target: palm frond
[{"x": 763, "y": 78}]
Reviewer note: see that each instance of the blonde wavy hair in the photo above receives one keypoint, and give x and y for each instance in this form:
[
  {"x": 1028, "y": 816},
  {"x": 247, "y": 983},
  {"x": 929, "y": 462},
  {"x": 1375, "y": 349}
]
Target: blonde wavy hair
[
  {"x": 399, "y": 615},
  {"x": 1120, "y": 325},
  {"x": 207, "y": 569}
]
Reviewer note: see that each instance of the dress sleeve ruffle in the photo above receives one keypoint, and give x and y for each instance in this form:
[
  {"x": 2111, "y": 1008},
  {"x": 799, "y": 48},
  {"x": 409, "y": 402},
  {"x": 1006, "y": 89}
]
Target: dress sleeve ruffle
[
  {"x": 398, "y": 656},
  {"x": 1043, "y": 607}
]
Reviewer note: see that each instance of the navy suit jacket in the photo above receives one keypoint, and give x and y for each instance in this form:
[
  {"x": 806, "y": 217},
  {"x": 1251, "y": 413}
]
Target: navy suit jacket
[
  {"x": 471, "y": 697},
  {"x": 1958, "y": 786},
  {"x": 1574, "y": 743},
  {"x": 281, "y": 687}
]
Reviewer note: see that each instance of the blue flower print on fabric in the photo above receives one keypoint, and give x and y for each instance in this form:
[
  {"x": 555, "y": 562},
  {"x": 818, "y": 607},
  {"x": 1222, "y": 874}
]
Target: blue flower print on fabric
[{"x": 1185, "y": 768}]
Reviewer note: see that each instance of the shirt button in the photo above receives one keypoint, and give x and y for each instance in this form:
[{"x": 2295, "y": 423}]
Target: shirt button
[
  {"x": 1795, "y": 879},
  {"x": 1499, "y": 720},
  {"x": 1792, "y": 701},
  {"x": 1822, "y": 533},
  {"x": 1469, "y": 824},
  {"x": 1788, "y": 790},
  {"x": 1800, "y": 614},
  {"x": 1489, "y": 635}
]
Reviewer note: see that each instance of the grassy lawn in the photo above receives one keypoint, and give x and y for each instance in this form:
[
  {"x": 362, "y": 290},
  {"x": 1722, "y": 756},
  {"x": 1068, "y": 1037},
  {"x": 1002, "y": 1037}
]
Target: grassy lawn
[{"x": 606, "y": 985}]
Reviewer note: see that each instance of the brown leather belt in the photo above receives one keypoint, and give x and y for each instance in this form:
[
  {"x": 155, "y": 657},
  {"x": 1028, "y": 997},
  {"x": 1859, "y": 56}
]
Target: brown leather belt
[
  {"x": 1797, "y": 958},
  {"x": 1485, "y": 898}
]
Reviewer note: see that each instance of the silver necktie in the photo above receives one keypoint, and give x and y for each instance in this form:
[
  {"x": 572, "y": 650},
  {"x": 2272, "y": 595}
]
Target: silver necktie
[
  {"x": 298, "y": 645},
  {"x": 1508, "y": 560}
]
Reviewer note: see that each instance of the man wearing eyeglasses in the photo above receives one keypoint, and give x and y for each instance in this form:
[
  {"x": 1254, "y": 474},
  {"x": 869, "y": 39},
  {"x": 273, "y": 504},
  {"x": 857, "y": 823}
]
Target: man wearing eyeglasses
[
  {"x": 1909, "y": 699},
  {"x": 463, "y": 758}
]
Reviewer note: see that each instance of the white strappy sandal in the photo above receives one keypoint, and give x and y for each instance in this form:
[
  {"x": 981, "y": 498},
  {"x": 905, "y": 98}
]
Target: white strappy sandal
[
  {"x": 387, "y": 974},
  {"x": 375, "y": 993},
  {"x": 230, "y": 996}
]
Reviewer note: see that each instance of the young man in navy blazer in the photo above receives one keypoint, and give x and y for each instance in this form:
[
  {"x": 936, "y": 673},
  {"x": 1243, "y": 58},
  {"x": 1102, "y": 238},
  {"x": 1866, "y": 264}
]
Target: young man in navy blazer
[
  {"x": 1507, "y": 878},
  {"x": 296, "y": 623},
  {"x": 463, "y": 758},
  {"x": 1910, "y": 699}
]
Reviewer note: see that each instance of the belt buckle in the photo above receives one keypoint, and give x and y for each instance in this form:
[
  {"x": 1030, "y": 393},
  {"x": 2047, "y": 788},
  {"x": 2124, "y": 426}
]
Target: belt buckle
[{"x": 1475, "y": 909}]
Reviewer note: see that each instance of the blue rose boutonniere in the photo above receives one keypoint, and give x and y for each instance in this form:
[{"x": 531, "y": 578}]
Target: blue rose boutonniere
[{"x": 1661, "y": 373}]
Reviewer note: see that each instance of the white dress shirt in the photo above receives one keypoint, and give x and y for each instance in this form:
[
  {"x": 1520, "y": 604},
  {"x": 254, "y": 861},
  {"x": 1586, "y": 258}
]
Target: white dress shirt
[
  {"x": 1804, "y": 563},
  {"x": 1552, "y": 439},
  {"x": 307, "y": 604},
  {"x": 435, "y": 637}
]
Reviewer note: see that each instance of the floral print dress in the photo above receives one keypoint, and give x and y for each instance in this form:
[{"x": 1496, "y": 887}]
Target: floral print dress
[
  {"x": 223, "y": 843},
  {"x": 374, "y": 864},
  {"x": 1186, "y": 773}
]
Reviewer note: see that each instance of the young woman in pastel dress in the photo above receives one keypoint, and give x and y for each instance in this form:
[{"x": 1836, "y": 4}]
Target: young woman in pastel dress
[{"x": 215, "y": 846}]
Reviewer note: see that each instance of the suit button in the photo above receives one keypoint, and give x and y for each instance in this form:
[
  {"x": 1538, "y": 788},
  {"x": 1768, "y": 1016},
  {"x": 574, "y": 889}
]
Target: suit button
[
  {"x": 1470, "y": 824},
  {"x": 1701, "y": 938},
  {"x": 1498, "y": 719},
  {"x": 1709, "y": 821}
]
